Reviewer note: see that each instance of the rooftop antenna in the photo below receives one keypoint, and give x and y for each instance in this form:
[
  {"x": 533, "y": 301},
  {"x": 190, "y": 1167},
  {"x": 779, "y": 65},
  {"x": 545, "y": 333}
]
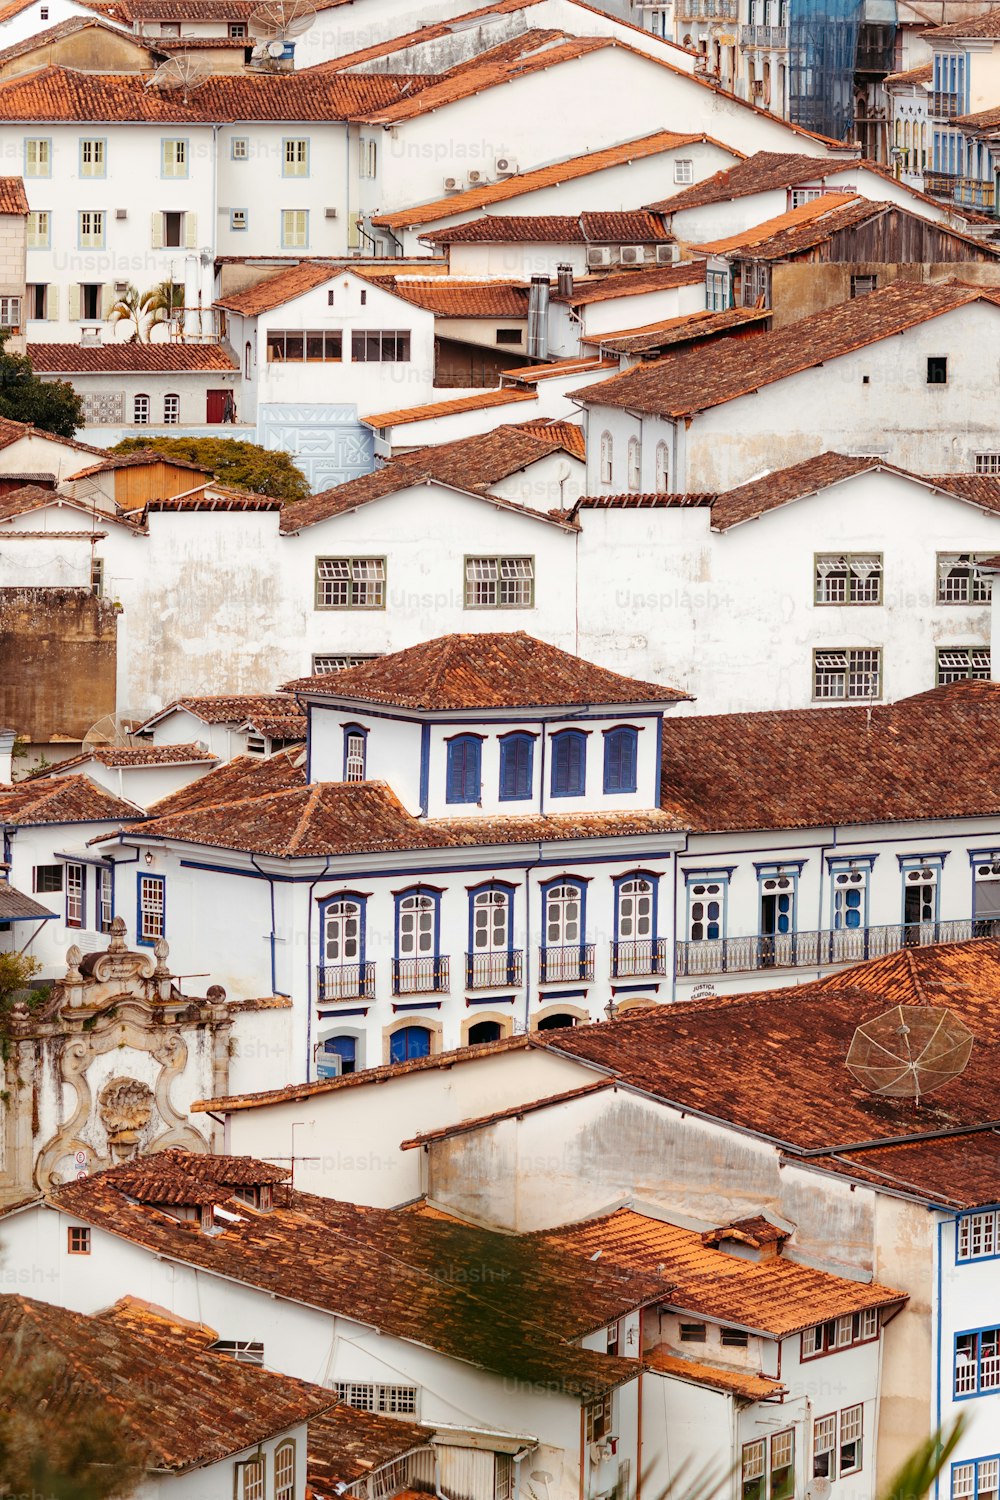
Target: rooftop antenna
[
  {"x": 276, "y": 24},
  {"x": 111, "y": 730},
  {"x": 182, "y": 72},
  {"x": 908, "y": 1051}
]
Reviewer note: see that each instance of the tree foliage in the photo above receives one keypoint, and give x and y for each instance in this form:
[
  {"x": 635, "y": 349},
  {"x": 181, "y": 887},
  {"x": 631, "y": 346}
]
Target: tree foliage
[
  {"x": 15, "y": 971},
  {"x": 242, "y": 466},
  {"x": 52, "y": 405}
]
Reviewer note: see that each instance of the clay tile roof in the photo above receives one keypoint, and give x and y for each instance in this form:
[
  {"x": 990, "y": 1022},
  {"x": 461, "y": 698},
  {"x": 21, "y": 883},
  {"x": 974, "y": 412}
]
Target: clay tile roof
[
  {"x": 429, "y": 32},
  {"x": 136, "y": 755},
  {"x": 922, "y": 74},
  {"x": 756, "y": 1231},
  {"x": 567, "y": 170},
  {"x": 229, "y": 708},
  {"x": 488, "y": 670},
  {"x": 12, "y": 432},
  {"x": 634, "y": 501},
  {"x": 559, "y": 369},
  {"x": 568, "y": 434},
  {"x": 987, "y": 25},
  {"x": 54, "y": 94},
  {"x": 108, "y": 359},
  {"x": 346, "y": 1444},
  {"x": 633, "y": 283},
  {"x": 70, "y": 27},
  {"x": 449, "y": 408},
  {"x": 237, "y": 780},
  {"x": 692, "y": 380},
  {"x": 207, "y": 1405},
  {"x": 65, "y": 799},
  {"x": 8, "y": 12},
  {"x": 383, "y": 1267},
  {"x": 460, "y": 299},
  {"x": 136, "y": 460},
  {"x": 225, "y": 1171},
  {"x": 13, "y": 199},
  {"x": 962, "y": 1171},
  {"x": 15, "y": 906},
  {"x": 274, "y": 291},
  {"x": 690, "y": 328},
  {"x": 798, "y": 229},
  {"x": 761, "y": 173},
  {"x": 570, "y": 229},
  {"x": 745, "y": 1383},
  {"x": 217, "y": 498}
]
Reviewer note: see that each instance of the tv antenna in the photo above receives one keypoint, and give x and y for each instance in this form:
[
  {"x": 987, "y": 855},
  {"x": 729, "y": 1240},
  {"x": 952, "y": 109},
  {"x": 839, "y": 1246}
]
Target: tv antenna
[
  {"x": 277, "y": 23},
  {"x": 910, "y": 1050},
  {"x": 111, "y": 730},
  {"x": 182, "y": 72}
]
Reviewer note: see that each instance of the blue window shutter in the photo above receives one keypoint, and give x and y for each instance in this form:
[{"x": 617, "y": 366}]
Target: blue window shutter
[
  {"x": 463, "y": 781},
  {"x": 456, "y": 768},
  {"x": 569, "y": 764},
  {"x": 515, "y": 768},
  {"x": 473, "y": 752},
  {"x": 620, "y": 759}
]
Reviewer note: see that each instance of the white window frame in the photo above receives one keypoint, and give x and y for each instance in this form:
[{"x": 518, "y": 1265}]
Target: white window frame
[
  {"x": 499, "y": 583},
  {"x": 295, "y": 228},
  {"x": 174, "y": 157},
  {"x": 140, "y": 409},
  {"x": 962, "y": 663},
  {"x": 171, "y": 409},
  {"x": 295, "y": 156},
  {"x": 395, "y": 1400},
  {"x": 970, "y": 586},
  {"x": 843, "y": 578},
  {"x": 607, "y": 460},
  {"x": 852, "y": 1433},
  {"x": 843, "y": 674},
  {"x": 350, "y": 583}
]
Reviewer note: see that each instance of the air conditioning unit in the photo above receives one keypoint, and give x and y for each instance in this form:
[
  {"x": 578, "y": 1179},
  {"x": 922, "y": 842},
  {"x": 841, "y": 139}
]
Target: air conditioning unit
[
  {"x": 476, "y": 177},
  {"x": 121, "y": 287},
  {"x": 121, "y": 213},
  {"x": 330, "y": 213},
  {"x": 506, "y": 166},
  {"x": 633, "y": 255},
  {"x": 454, "y": 185},
  {"x": 666, "y": 255},
  {"x": 597, "y": 256}
]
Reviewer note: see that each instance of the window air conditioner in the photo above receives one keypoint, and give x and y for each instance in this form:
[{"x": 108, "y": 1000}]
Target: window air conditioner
[
  {"x": 454, "y": 185},
  {"x": 506, "y": 166},
  {"x": 598, "y": 255}
]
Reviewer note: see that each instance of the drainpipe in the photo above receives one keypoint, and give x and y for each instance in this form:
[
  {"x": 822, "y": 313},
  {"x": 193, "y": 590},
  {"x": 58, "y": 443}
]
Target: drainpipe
[
  {"x": 309, "y": 967},
  {"x": 273, "y": 938},
  {"x": 527, "y": 933}
]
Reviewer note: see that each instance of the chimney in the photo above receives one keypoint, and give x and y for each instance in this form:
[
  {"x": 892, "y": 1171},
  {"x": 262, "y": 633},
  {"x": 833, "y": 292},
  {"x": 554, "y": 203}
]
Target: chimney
[
  {"x": 538, "y": 318},
  {"x": 7, "y": 738},
  {"x": 565, "y": 280}
]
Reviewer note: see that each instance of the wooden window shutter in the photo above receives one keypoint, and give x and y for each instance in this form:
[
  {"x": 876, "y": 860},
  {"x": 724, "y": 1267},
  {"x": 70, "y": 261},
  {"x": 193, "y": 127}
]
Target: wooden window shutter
[
  {"x": 74, "y": 302},
  {"x": 190, "y": 231},
  {"x": 157, "y": 235}
]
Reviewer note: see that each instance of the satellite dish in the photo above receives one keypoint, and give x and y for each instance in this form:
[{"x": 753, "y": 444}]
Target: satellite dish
[
  {"x": 274, "y": 49},
  {"x": 910, "y": 1050},
  {"x": 181, "y": 72},
  {"x": 111, "y": 730},
  {"x": 281, "y": 19}
]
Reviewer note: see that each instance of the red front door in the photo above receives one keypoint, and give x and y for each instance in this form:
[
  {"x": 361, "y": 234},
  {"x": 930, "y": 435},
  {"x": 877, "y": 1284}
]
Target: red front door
[{"x": 215, "y": 405}]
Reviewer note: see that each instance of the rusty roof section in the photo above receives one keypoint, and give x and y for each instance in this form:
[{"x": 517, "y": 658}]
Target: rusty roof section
[
  {"x": 605, "y": 288},
  {"x": 777, "y": 1296},
  {"x": 137, "y": 460},
  {"x": 127, "y": 756},
  {"x": 63, "y": 799},
  {"x": 390, "y": 1269},
  {"x": 729, "y": 1379},
  {"x": 228, "y": 708},
  {"x": 13, "y": 199},
  {"x": 693, "y": 380},
  {"x": 987, "y": 25},
  {"x": 960, "y": 1171},
  {"x": 689, "y": 328},
  {"x": 449, "y": 408},
  {"x": 346, "y": 1444},
  {"x": 123, "y": 357},
  {"x": 622, "y": 227},
  {"x": 237, "y": 780},
  {"x": 274, "y": 291},
  {"x": 553, "y": 175},
  {"x": 429, "y": 32},
  {"x": 12, "y": 432},
  {"x": 763, "y": 172},
  {"x": 207, "y": 1407},
  {"x": 492, "y": 669},
  {"x": 922, "y": 74},
  {"x": 214, "y": 497},
  {"x": 813, "y": 223},
  {"x": 558, "y": 369}
]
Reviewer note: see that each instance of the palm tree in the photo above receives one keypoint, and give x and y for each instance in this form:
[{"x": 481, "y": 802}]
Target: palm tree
[
  {"x": 129, "y": 309},
  {"x": 162, "y": 303}
]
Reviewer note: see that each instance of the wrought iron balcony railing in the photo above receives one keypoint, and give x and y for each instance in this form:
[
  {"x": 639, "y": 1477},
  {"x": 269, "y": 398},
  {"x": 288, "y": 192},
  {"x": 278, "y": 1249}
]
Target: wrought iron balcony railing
[
  {"x": 484, "y": 971},
  {"x": 944, "y": 106},
  {"x": 972, "y": 192},
  {"x": 812, "y": 950},
  {"x": 421, "y": 976},
  {"x": 764, "y": 36},
  {"x": 345, "y": 982},
  {"x": 645, "y": 957},
  {"x": 572, "y": 961}
]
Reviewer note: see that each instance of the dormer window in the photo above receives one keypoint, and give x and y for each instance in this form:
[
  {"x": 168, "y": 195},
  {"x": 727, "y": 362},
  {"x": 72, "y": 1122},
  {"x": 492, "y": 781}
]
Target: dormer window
[
  {"x": 621, "y": 754},
  {"x": 355, "y": 752},
  {"x": 464, "y": 769},
  {"x": 569, "y": 763},
  {"x": 256, "y": 1195}
]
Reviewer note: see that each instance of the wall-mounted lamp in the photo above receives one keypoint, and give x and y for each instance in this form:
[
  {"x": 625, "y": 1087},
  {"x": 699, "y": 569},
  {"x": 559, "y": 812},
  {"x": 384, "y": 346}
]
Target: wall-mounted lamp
[{"x": 148, "y": 856}]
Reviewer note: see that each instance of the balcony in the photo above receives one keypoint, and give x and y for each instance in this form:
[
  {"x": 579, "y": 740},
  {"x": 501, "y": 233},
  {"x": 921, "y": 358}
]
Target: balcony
[
  {"x": 345, "y": 982},
  {"x": 940, "y": 184},
  {"x": 648, "y": 957},
  {"x": 815, "y": 950},
  {"x": 485, "y": 971},
  {"x": 421, "y": 976},
  {"x": 574, "y": 961},
  {"x": 972, "y": 192},
  {"x": 944, "y": 106},
  {"x": 764, "y": 36}
]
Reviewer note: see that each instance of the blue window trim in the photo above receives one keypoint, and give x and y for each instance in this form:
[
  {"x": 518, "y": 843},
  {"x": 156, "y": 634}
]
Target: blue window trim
[
  {"x": 472, "y": 776},
  {"x": 581, "y": 882},
  {"x": 975, "y": 1260},
  {"x": 720, "y": 872},
  {"x": 176, "y": 176},
  {"x": 966, "y": 1333},
  {"x": 83, "y": 896},
  {"x": 148, "y": 942},
  {"x": 847, "y": 867},
  {"x": 301, "y": 176},
  {"x": 79, "y": 228},
  {"x": 232, "y": 147},
  {"x": 38, "y": 176},
  {"x": 708, "y": 877},
  {"x": 909, "y": 862},
  {"x": 419, "y": 890},
  {"x": 791, "y": 870},
  {"x": 284, "y": 242},
  {"x": 509, "y": 888},
  {"x": 322, "y": 1051},
  {"x": 964, "y": 1463},
  {"x": 913, "y": 861},
  {"x": 350, "y": 729},
  {"x": 425, "y": 767},
  {"x": 509, "y": 743},
  {"x": 769, "y": 868},
  {"x": 557, "y": 740},
  {"x": 654, "y": 880},
  {"x": 988, "y": 856},
  {"x": 362, "y": 901},
  {"x": 628, "y": 733},
  {"x": 838, "y": 864}
]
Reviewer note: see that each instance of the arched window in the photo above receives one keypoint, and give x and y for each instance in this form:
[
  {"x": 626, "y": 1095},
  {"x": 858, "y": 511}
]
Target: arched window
[
  {"x": 636, "y": 949},
  {"x": 140, "y": 410},
  {"x": 171, "y": 410},
  {"x": 662, "y": 469},
  {"x": 355, "y": 752},
  {"x": 517, "y": 752},
  {"x": 554, "y": 1022},
  {"x": 490, "y": 958},
  {"x": 464, "y": 782},
  {"x": 337, "y": 1056},
  {"x": 569, "y": 763},
  {"x": 418, "y": 966},
  {"x": 284, "y": 1471},
  {"x": 484, "y": 1031},
  {"x": 409, "y": 1042},
  {"x": 343, "y": 973},
  {"x": 564, "y": 954},
  {"x": 621, "y": 753},
  {"x": 247, "y": 360},
  {"x": 607, "y": 457},
  {"x": 634, "y": 463}
]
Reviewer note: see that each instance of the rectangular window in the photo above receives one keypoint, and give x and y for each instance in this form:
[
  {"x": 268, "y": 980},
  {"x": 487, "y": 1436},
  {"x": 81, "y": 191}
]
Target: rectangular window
[
  {"x": 97, "y": 576},
  {"x": 313, "y": 346},
  {"x": 323, "y": 664},
  {"x": 350, "y": 583},
  {"x": 499, "y": 583},
  {"x": 105, "y": 900},
  {"x": 284, "y": 1471},
  {"x": 90, "y": 300},
  {"x": 294, "y": 228},
  {"x": 684, "y": 172},
  {"x": 39, "y": 229},
  {"x": 93, "y": 161},
  {"x": 959, "y": 581},
  {"x": 782, "y": 1466},
  {"x": 140, "y": 411},
  {"x": 150, "y": 925},
  {"x": 296, "y": 158},
  {"x": 237, "y": 220},
  {"x": 171, "y": 410},
  {"x": 517, "y": 753},
  {"x": 825, "y": 1447},
  {"x": 735, "y": 1338},
  {"x": 91, "y": 228},
  {"x": 244, "y": 1351},
  {"x": 988, "y": 463},
  {"x": 38, "y": 300},
  {"x": 957, "y": 663},
  {"x": 10, "y": 314},
  {"x": 597, "y": 1419},
  {"x": 862, "y": 285},
  {"x": 396, "y": 1400},
  {"x": 988, "y": 1478},
  {"x": 380, "y": 346},
  {"x": 239, "y": 148},
  {"x": 848, "y": 578},
  {"x": 367, "y": 157},
  {"x": 937, "y": 369},
  {"x": 464, "y": 781},
  {"x": 76, "y": 895},
  {"x": 693, "y": 1333},
  {"x": 752, "y": 1470},
  {"x": 963, "y": 1482},
  {"x": 37, "y": 158},
  {"x": 237, "y": 30},
  {"x": 174, "y": 159},
  {"x": 977, "y": 1362},
  {"x": 78, "y": 1241},
  {"x": 850, "y": 1439},
  {"x": 252, "y": 1479},
  {"x": 977, "y": 1236},
  {"x": 172, "y": 230},
  {"x": 509, "y": 336},
  {"x": 47, "y": 880},
  {"x": 855, "y": 672}
]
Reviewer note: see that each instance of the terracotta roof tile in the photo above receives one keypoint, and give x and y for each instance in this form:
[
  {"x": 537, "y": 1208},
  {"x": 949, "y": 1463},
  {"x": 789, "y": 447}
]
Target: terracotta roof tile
[
  {"x": 65, "y": 799},
  {"x": 634, "y": 501},
  {"x": 15, "y": 906},
  {"x": 208, "y": 1406},
  {"x": 72, "y": 26},
  {"x": 136, "y": 460},
  {"x": 552, "y": 827},
  {"x": 12, "y": 432},
  {"x": 962, "y": 1171},
  {"x": 691, "y": 328},
  {"x": 558, "y": 369},
  {"x": 383, "y": 1267},
  {"x": 761, "y": 173},
  {"x": 814, "y": 223},
  {"x": 487, "y": 670},
  {"x": 114, "y": 358},
  {"x": 274, "y": 291},
  {"x": 448, "y": 408},
  {"x": 776, "y": 1296},
  {"x": 430, "y": 32},
  {"x": 693, "y": 380},
  {"x": 126, "y": 756},
  {"x": 568, "y": 170},
  {"x": 13, "y": 199},
  {"x": 190, "y": 10},
  {"x": 346, "y": 1444},
  {"x": 217, "y": 498},
  {"x": 463, "y": 299},
  {"x": 745, "y": 1383},
  {"x": 229, "y": 708},
  {"x": 922, "y": 74},
  {"x": 569, "y": 435},
  {"x": 633, "y": 283},
  {"x": 987, "y": 25},
  {"x": 569, "y": 229},
  {"x": 238, "y": 780}
]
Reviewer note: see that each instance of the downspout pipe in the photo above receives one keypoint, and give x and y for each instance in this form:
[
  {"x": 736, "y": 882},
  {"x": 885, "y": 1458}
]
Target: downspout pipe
[
  {"x": 324, "y": 875},
  {"x": 273, "y": 936}
]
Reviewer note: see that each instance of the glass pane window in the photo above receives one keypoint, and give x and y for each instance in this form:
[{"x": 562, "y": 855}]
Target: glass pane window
[
  {"x": 312, "y": 346},
  {"x": 380, "y": 345},
  {"x": 846, "y": 674},
  {"x": 92, "y": 159},
  {"x": 252, "y": 1480},
  {"x": 705, "y": 911},
  {"x": 295, "y": 228},
  {"x": 963, "y": 1482},
  {"x": 563, "y": 916},
  {"x": 140, "y": 411},
  {"x": 752, "y": 1470},
  {"x": 75, "y": 895},
  {"x": 284, "y": 1472},
  {"x": 977, "y": 1235},
  {"x": 106, "y": 900},
  {"x": 297, "y": 158},
  {"x": 825, "y": 1447},
  {"x": 342, "y": 932},
  {"x": 959, "y": 580},
  {"x": 850, "y": 1439},
  {"x": 175, "y": 159},
  {"x": 850, "y": 578},
  {"x": 171, "y": 410},
  {"x": 782, "y": 1465},
  {"x": 417, "y": 926},
  {"x": 151, "y": 908},
  {"x": 635, "y": 909},
  {"x": 849, "y": 890},
  {"x": 491, "y": 921},
  {"x": 959, "y": 663},
  {"x": 499, "y": 582},
  {"x": 354, "y": 756},
  {"x": 987, "y": 1478},
  {"x": 39, "y": 227},
  {"x": 350, "y": 583},
  {"x": 38, "y": 158},
  {"x": 91, "y": 225}
]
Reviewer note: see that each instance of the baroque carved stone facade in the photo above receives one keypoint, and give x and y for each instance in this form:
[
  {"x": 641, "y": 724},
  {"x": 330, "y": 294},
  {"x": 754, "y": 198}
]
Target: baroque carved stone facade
[{"x": 107, "y": 1068}]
